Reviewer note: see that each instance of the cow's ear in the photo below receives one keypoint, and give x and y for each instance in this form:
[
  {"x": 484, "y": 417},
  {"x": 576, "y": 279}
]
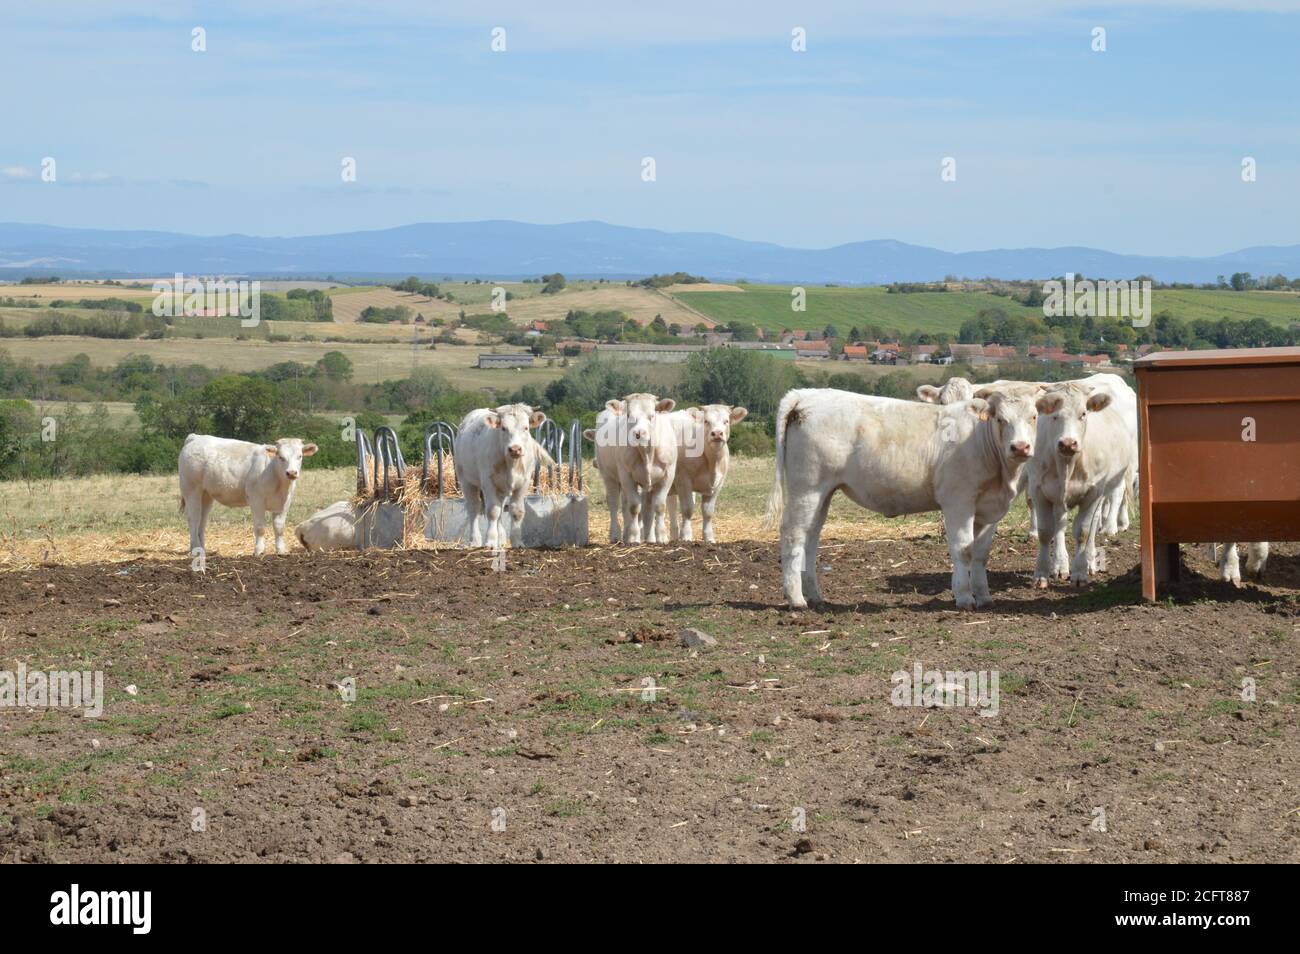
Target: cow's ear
[
  {"x": 983, "y": 393},
  {"x": 1049, "y": 403},
  {"x": 665, "y": 405},
  {"x": 615, "y": 407},
  {"x": 979, "y": 407},
  {"x": 589, "y": 433},
  {"x": 738, "y": 414},
  {"x": 308, "y": 449},
  {"x": 928, "y": 393},
  {"x": 536, "y": 418},
  {"x": 272, "y": 450},
  {"x": 493, "y": 420},
  {"x": 1098, "y": 400},
  {"x": 695, "y": 414}
]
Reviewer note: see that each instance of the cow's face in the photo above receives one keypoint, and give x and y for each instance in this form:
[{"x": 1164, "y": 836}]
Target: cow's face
[
  {"x": 288, "y": 453},
  {"x": 1014, "y": 420},
  {"x": 514, "y": 422},
  {"x": 716, "y": 420},
  {"x": 640, "y": 414},
  {"x": 1066, "y": 412}
]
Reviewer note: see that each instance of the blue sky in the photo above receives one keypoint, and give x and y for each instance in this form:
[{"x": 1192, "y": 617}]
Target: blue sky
[{"x": 1137, "y": 149}]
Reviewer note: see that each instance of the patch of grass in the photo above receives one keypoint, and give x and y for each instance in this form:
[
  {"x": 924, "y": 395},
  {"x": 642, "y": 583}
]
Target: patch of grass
[{"x": 228, "y": 709}]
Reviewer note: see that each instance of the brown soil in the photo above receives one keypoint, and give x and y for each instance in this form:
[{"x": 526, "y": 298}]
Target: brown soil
[{"x": 485, "y": 696}]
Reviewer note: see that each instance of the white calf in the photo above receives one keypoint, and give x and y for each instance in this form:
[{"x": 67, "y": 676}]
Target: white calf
[
  {"x": 647, "y": 464},
  {"x": 495, "y": 458},
  {"x": 333, "y": 528},
  {"x": 239, "y": 474},
  {"x": 953, "y": 390},
  {"x": 1084, "y": 458},
  {"x": 898, "y": 457},
  {"x": 702, "y": 461}
]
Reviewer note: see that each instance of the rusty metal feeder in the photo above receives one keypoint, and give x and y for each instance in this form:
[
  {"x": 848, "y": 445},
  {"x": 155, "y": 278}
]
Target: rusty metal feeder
[{"x": 1219, "y": 452}]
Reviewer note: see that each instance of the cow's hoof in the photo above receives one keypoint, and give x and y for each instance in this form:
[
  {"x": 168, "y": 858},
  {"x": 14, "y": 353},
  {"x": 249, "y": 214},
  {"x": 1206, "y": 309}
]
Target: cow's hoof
[
  {"x": 1032, "y": 536},
  {"x": 1077, "y": 580},
  {"x": 966, "y": 603},
  {"x": 1040, "y": 582},
  {"x": 798, "y": 604}
]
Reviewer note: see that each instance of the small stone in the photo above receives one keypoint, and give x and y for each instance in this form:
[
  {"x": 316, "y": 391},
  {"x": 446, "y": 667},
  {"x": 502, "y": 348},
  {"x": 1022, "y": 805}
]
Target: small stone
[
  {"x": 697, "y": 639},
  {"x": 803, "y": 846},
  {"x": 132, "y": 690}
]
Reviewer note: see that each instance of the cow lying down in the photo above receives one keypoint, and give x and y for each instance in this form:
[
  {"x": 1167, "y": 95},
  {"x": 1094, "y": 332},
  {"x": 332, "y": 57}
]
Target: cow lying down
[
  {"x": 333, "y": 528},
  {"x": 899, "y": 457}
]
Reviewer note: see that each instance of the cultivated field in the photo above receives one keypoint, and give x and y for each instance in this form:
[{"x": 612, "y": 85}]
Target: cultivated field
[
  {"x": 769, "y": 306},
  {"x": 371, "y": 361},
  {"x": 550, "y": 712}
]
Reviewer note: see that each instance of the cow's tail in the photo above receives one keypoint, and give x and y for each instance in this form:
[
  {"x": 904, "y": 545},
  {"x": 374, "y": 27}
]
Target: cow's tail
[{"x": 785, "y": 412}]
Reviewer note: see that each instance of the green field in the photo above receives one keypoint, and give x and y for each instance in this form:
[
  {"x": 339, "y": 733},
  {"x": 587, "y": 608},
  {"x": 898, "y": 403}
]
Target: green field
[
  {"x": 371, "y": 362},
  {"x": 769, "y": 306}
]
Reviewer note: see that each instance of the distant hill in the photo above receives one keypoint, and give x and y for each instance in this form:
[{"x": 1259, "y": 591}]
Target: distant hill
[{"x": 505, "y": 250}]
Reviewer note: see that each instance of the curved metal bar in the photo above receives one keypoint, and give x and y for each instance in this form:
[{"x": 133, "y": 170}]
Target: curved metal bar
[
  {"x": 388, "y": 451},
  {"x": 444, "y": 434},
  {"x": 365, "y": 454}
]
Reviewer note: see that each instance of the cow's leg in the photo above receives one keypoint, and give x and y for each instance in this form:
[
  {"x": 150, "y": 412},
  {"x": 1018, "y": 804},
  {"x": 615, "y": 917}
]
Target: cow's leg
[
  {"x": 960, "y": 530},
  {"x": 473, "y": 507},
  {"x": 1230, "y": 565},
  {"x": 812, "y": 543},
  {"x": 798, "y": 567},
  {"x": 516, "y": 508},
  {"x": 194, "y": 517},
  {"x": 708, "y": 507},
  {"x": 1047, "y": 512},
  {"x": 277, "y": 524},
  {"x": 1256, "y": 559},
  {"x": 631, "y": 512},
  {"x": 1033, "y": 518},
  {"x": 686, "y": 502},
  {"x": 1060, "y": 553},
  {"x": 613, "y": 502},
  {"x": 1114, "y": 507},
  {"x": 1086, "y": 527},
  {"x": 259, "y": 524},
  {"x": 492, "y": 506},
  {"x": 979, "y": 576},
  {"x": 658, "y": 513}
]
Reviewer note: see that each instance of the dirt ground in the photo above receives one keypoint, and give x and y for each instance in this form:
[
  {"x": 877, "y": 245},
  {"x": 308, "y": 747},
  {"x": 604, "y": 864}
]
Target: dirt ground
[{"x": 506, "y": 716}]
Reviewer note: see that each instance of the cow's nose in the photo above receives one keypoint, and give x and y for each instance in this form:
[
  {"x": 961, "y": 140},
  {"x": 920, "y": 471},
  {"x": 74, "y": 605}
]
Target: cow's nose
[
  {"x": 716, "y": 435},
  {"x": 1020, "y": 448},
  {"x": 291, "y": 474},
  {"x": 516, "y": 450},
  {"x": 1068, "y": 445},
  {"x": 638, "y": 435}
]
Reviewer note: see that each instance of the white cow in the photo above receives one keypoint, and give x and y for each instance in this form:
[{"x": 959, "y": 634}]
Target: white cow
[
  {"x": 898, "y": 457},
  {"x": 702, "y": 461},
  {"x": 1085, "y": 456},
  {"x": 1115, "y": 513},
  {"x": 495, "y": 459},
  {"x": 333, "y": 528},
  {"x": 1229, "y": 563},
  {"x": 959, "y": 389},
  {"x": 647, "y": 463},
  {"x": 953, "y": 390},
  {"x": 606, "y": 460},
  {"x": 239, "y": 474}
]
